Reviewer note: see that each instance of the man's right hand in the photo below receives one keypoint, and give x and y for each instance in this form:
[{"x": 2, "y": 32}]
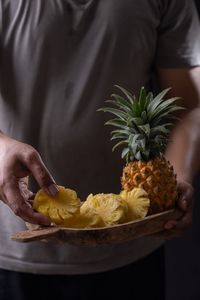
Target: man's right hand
[{"x": 17, "y": 161}]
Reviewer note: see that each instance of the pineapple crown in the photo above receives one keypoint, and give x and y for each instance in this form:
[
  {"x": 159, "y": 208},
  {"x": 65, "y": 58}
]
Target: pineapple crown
[{"x": 142, "y": 123}]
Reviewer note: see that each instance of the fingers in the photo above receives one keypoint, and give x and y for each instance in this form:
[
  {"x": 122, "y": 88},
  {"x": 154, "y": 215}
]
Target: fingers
[
  {"x": 17, "y": 161},
  {"x": 37, "y": 168},
  {"x": 14, "y": 199},
  {"x": 184, "y": 223},
  {"x": 185, "y": 192},
  {"x": 24, "y": 181},
  {"x": 181, "y": 224},
  {"x": 185, "y": 204},
  {"x": 170, "y": 224},
  {"x": 23, "y": 186},
  {"x": 168, "y": 234},
  {"x": 30, "y": 202}
]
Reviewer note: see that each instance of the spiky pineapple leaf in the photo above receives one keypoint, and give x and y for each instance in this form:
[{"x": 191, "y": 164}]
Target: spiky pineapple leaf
[
  {"x": 167, "y": 113},
  {"x": 149, "y": 99},
  {"x": 125, "y": 151},
  {"x": 137, "y": 121},
  {"x": 126, "y": 93},
  {"x": 119, "y": 106},
  {"x": 133, "y": 138},
  {"x": 117, "y": 137},
  {"x": 164, "y": 106},
  {"x": 145, "y": 128},
  {"x": 144, "y": 117},
  {"x": 121, "y": 131},
  {"x": 123, "y": 102},
  {"x": 118, "y": 123},
  {"x": 117, "y": 112},
  {"x": 119, "y": 144},
  {"x": 138, "y": 155},
  {"x": 160, "y": 129},
  {"x": 142, "y": 99},
  {"x": 141, "y": 122},
  {"x": 158, "y": 99}
]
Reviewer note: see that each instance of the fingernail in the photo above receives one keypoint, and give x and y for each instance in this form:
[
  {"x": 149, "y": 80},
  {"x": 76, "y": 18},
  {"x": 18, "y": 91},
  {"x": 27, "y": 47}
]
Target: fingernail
[{"x": 52, "y": 190}]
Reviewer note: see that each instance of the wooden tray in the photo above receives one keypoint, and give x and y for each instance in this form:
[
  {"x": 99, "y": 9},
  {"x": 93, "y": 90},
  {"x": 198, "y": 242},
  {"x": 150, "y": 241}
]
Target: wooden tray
[{"x": 96, "y": 236}]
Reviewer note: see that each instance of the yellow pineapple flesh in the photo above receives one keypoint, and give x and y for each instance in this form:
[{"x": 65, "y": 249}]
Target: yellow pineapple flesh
[
  {"x": 110, "y": 207},
  {"x": 138, "y": 203},
  {"x": 61, "y": 209}
]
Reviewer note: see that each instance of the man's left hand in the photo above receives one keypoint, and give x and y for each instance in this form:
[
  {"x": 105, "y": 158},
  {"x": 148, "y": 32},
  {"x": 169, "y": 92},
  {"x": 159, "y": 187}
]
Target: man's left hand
[{"x": 175, "y": 228}]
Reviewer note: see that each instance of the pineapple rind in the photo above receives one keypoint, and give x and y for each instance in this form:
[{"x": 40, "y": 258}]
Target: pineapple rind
[
  {"x": 157, "y": 178},
  {"x": 143, "y": 128}
]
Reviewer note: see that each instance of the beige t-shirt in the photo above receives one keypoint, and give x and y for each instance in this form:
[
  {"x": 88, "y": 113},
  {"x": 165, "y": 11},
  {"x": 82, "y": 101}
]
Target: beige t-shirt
[{"x": 59, "y": 61}]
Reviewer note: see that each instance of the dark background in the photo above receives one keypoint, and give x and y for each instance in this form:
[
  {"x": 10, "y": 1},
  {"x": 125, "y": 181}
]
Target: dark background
[
  {"x": 183, "y": 254},
  {"x": 198, "y": 5}
]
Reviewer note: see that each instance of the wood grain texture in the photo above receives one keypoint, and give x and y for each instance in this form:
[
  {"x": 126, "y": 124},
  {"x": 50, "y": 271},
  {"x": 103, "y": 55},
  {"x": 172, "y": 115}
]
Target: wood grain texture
[{"x": 106, "y": 235}]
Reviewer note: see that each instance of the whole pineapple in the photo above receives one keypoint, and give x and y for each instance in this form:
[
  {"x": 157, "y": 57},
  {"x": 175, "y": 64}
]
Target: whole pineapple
[{"x": 143, "y": 128}]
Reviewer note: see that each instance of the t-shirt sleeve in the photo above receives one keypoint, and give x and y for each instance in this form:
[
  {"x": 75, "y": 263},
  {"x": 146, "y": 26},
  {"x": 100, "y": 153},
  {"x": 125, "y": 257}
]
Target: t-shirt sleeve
[{"x": 178, "y": 43}]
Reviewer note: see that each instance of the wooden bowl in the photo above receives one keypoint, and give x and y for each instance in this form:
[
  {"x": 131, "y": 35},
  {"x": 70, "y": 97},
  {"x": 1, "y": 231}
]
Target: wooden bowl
[{"x": 97, "y": 236}]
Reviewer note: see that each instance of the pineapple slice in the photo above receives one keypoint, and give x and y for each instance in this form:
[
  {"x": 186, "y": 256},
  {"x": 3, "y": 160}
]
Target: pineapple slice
[
  {"x": 98, "y": 210},
  {"x": 88, "y": 218},
  {"x": 61, "y": 209},
  {"x": 110, "y": 207},
  {"x": 138, "y": 203}
]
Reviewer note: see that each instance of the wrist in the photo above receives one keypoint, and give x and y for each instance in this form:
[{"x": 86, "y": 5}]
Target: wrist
[{"x": 184, "y": 176}]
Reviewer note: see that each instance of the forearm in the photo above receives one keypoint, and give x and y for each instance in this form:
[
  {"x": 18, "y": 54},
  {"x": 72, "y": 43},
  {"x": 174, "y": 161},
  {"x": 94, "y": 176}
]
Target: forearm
[
  {"x": 4, "y": 139},
  {"x": 184, "y": 149}
]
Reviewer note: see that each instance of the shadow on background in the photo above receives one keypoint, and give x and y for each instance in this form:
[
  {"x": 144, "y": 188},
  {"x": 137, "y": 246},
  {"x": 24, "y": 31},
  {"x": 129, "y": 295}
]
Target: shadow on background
[
  {"x": 183, "y": 255},
  {"x": 183, "y": 259}
]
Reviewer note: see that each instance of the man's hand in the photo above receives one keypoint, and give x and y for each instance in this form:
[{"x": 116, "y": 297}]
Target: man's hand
[
  {"x": 175, "y": 228},
  {"x": 183, "y": 150},
  {"x": 17, "y": 161}
]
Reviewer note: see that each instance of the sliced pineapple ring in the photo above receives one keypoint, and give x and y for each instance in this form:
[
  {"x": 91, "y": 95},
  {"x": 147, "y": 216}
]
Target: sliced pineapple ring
[
  {"x": 110, "y": 207},
  {"x": 88, "y": 218},
  {"x": 61, "y": 209},
  {"x": 138, "y": 203},
  {"x": 98, "y": 210}
]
